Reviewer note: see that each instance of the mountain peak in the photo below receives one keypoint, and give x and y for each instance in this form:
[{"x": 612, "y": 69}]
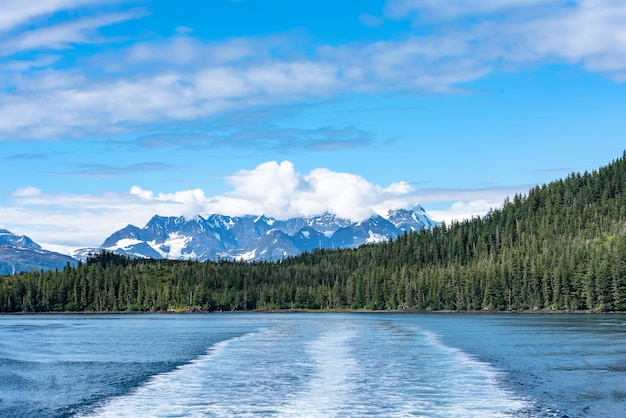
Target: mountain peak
[
  {"x": 20, "y": 253},
  {"x": 8, "y": 238},
  {"x": 412, "y": 219},
  {"x": 253, "y": 237}
]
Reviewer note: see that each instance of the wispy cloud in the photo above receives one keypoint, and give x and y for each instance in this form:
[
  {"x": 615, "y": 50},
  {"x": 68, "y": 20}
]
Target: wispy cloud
[
  {"x": 41, "y": 61},
  {"x": 120, "y": 105},
  {"x": 493, "y": 193},
  {"x": 369, "y": 20},
  {"x": 556, "y": 170},
  {"x": 16, "y": 13},
  {"x": 263, "y": 139},
  {"x": 589, "y": 33},
  {"x": 104, "y": 171},
  {"x": 453, "y": 9},
  {"x": 46, "y": 25},
  {"x": 450, "y": 205},
  {"x": 140, "y": 87},
  {"x": 34, "y": 156},
  {"x": 63, "y": 35}
]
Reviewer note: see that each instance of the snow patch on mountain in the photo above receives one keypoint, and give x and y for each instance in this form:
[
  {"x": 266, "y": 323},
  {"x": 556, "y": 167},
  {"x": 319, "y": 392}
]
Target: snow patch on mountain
[
  {"x": 374, "y": 238},
  {"x": 20, "y": 253},
  {"x": 250, "y": 238},
  {"x": 248, "y": 256},
  {"x": 125, "y": 244}
]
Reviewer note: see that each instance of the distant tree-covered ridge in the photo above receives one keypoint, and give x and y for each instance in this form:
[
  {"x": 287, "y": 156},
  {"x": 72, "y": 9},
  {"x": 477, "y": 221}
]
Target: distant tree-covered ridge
[{"x": 561, "y": 246}]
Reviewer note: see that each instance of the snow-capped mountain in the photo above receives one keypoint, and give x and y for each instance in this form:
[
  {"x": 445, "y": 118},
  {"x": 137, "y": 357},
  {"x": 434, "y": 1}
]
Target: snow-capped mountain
[
  {"x": 20, "y": 253},
  {"x": 8, "y": 238},
  {"x": 410, "y": 220},
  {"x": 258, "y": 237}
]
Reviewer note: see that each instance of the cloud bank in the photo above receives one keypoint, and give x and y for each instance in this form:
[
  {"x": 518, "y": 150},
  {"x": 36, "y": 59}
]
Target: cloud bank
[
  {"x": 128, "y": 87},
  {"x": 272, "y": 188}
]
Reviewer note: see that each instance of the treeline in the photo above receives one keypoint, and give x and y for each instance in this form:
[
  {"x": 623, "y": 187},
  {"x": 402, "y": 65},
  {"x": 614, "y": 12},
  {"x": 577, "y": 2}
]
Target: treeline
[{"x": 561, "y": 246}]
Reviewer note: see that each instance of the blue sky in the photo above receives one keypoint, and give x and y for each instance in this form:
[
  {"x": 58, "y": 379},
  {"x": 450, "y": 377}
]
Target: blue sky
[{"x": 113, "y": 111}]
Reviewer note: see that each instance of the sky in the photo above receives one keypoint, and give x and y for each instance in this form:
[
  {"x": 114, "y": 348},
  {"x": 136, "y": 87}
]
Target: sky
[{"x": 114, "y": 111}]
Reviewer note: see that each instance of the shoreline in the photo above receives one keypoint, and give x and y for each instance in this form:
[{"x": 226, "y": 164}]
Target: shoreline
[{"x": 329, "y": 311}]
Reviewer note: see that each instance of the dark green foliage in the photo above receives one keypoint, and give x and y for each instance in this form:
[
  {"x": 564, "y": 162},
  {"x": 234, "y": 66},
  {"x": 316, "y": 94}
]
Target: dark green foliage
[{"x": 562, "y": 246}]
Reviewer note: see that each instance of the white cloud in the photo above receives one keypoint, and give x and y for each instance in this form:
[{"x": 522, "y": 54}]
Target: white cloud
[
  {"x": 66, "y": 104},
  {"x": 417, "y": 63},
  {"x": 28, "y": 191},
  {"x": 451, "y": 9},
  {"x": 278, "y": 190},
  {"x": 462, "y": 210},
  {"x": 63, "y": 35},
  {"x": 593, "y": 35},
  {"x": 182, "y": 79},
  {"x": 186, "y": 85},
  {"x": 17, "y": 66},
  {"x": 187, "y": 203},
  {"x": 272, "y": 188},
  {"x": 590, "y": 33},
  {"x": 19, "y": 12},
  {"x": 85, "y": 220},
  {"x": 185, "y": 52},
  {"x": 45, "y": 25},
  {"x": 450, "y": 205}
]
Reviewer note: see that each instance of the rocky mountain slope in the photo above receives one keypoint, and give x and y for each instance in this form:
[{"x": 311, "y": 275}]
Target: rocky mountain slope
[
  {"x": 20, "y": 253},
  {"x": 251, "y": 238}
]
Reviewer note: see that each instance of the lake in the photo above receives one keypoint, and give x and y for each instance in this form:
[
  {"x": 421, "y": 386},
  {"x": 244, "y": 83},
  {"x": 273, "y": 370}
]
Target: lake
[{"x": 313, "y": 364}]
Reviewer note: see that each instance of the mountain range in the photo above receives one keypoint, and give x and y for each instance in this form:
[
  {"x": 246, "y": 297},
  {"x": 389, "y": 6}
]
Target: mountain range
[
  {"x": 257, "y": 238},
  {"x": 221, "y": 237},
  {"x": 19, "y": 253}
]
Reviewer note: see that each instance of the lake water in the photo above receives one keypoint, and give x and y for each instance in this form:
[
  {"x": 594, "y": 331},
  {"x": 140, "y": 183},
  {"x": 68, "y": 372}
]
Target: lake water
[{"x": 313, "y": 364}]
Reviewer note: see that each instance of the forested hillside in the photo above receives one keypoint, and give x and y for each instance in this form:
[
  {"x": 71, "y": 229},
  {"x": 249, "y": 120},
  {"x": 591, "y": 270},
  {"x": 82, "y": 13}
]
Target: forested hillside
[{"x": 561, "y": 246}]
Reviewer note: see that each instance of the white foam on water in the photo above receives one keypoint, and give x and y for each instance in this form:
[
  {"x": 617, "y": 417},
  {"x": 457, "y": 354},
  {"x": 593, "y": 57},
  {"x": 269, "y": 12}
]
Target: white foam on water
[
  {"x": 325, "y": 369},
  {"x": 462, "y": 386},
  {"x": 179, "y": 393},
  {"x": 334, "y": 377}
]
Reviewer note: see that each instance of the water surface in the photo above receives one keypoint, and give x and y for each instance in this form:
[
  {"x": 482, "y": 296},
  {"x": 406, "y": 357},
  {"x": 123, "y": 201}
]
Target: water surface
[{"x": 313, "y": 364}]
